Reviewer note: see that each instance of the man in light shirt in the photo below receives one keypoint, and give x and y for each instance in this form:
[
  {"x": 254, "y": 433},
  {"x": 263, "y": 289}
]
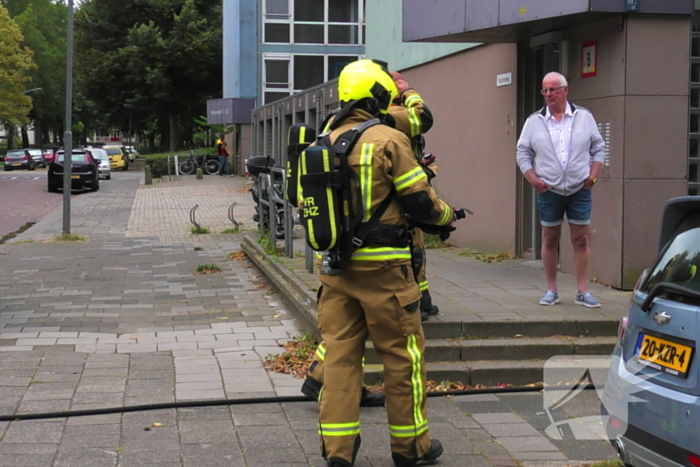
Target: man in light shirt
[{"x": 561, "y": 153}]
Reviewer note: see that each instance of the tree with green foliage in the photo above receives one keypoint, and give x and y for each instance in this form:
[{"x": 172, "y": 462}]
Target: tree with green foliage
[
  {"x": 43, "y": 25},
  {"x": 149, "y": 62},
  {"x": 15, "y": 67}
]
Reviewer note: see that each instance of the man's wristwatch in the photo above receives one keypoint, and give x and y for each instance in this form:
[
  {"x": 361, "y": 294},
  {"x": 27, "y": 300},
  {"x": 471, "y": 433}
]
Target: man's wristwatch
[{"x": 593, "y": 179}]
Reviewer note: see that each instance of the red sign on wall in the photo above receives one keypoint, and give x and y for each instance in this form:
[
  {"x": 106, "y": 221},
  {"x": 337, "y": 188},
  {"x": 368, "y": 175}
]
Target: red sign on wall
[{"x": 589, "y": 59}]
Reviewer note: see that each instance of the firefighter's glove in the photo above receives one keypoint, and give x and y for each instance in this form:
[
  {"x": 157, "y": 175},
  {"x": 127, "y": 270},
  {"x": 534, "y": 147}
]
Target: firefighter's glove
[
  {"x": 443, "y": 231},
  {"x": 461, "y": 213},
  {"x": 427, "y": 159}
]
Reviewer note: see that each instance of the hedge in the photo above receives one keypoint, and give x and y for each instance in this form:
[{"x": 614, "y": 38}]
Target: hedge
[{"x": 159, "y": 162}]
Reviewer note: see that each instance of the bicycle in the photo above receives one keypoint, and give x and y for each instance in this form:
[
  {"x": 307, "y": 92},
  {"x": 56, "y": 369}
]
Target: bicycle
[{"x": 208, "y": 163}]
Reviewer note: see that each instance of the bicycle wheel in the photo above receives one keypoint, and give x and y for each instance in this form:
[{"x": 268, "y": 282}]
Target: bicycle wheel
[
  {"x": 187, "y": 167},
  {"x": 211, "y": 166}
]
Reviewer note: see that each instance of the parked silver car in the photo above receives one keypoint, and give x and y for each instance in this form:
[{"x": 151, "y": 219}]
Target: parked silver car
[
  {"x": 105, "y": 169},
  {"x": 652, "y": 396},
  {"x": 38, "y": 156}
]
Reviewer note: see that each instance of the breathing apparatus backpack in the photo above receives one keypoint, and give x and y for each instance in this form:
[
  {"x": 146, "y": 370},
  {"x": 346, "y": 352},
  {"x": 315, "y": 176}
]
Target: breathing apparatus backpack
[
  {"x": 328, "y": 186},
  {"x": 299, "y": 138}
]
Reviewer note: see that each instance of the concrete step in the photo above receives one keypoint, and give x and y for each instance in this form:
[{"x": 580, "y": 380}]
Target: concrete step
[
  {"x": 508, "y": 349},
  {"x": 435, "y": 329},
  {"x": 516, "y": 372}
]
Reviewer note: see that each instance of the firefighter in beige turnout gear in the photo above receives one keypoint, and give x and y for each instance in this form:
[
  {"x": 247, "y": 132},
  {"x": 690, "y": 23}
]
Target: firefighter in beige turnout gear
[
  {"x": 377, "y": 295},
  {"x": 412, "y": 117}
]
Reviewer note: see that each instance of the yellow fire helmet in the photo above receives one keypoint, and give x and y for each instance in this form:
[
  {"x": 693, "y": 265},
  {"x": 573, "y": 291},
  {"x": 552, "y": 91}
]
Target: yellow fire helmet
[{"x": 367, "y": 79}]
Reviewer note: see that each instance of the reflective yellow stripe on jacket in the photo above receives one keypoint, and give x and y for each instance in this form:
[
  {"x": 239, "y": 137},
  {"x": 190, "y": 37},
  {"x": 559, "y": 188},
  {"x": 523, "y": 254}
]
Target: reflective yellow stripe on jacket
[
  {"x": 408, "y": 179},
  {"x": 446, "y": 216},
  {"x": 416, "y": 126},
  {"x": 321, "y": 352},
  {"x": 366, "y": 179},
  {"x": 381, "y": 254}
]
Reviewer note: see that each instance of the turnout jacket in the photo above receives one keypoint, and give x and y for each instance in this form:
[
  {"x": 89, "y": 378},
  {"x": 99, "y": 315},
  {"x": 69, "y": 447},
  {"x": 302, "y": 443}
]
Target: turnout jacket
[
  {"x": 384, "y": 162},
  {"x": 413, "y": 118}
]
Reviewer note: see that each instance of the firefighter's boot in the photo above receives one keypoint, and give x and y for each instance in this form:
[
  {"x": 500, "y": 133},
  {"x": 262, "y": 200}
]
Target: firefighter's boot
[
  {"x": 427, "y": 308},
  {"x": 371, "y": 399},
  {"x": 311, "y": 388},
  {"x": 433, "y": 453}
]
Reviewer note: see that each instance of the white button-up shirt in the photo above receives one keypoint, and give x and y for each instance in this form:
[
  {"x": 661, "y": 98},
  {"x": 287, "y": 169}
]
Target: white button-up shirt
[{"x": 560, "y": 132}]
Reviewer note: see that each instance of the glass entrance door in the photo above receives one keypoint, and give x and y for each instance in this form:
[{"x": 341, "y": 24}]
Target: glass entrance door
[{"x": 533, "y": 64}]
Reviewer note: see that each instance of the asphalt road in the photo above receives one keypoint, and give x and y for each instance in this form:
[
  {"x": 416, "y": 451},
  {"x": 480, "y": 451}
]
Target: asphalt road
[{"x": 24, "y": 198}]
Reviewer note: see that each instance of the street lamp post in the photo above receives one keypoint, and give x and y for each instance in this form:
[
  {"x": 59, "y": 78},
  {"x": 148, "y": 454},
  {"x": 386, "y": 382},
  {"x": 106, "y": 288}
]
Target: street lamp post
[{"x": 68, "y": 135}]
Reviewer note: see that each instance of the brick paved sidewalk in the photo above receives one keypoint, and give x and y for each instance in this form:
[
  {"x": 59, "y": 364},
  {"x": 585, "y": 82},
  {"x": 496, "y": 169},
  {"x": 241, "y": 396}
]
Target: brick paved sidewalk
[{"x": 123, "y": 320}]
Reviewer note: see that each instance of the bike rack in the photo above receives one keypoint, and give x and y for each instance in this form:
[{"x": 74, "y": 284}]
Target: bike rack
[
  {"x": 192, "y": 219},
  {"x": 286, "y": 212},
  {"x": 230, "y": 216},
  {"x": 267, "y": 202}
]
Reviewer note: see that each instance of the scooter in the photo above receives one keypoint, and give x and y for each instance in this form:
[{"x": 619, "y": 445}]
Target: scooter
[{"x": 257, "y": 166}]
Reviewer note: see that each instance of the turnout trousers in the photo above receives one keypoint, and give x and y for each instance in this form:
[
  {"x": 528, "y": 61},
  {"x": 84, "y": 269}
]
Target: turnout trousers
[
  {"x": 381, "y": 302},
  {"x": 418, "y": 263},
  {"x": 418, "y": 260}
]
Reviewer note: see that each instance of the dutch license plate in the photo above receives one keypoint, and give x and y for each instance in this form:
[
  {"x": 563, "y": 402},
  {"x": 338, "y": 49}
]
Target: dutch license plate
[
  {"x": 663, "y": 355},
  {"x": 75, "y": 177},
  {"x": 16, "y": 165}
]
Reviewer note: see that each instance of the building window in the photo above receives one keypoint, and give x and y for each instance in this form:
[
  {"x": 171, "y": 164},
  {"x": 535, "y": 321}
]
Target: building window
[
  {"x": 276, "y": 77},
  {"x": 336, "y": 63},
  {"x": 276, "y": 23},
  {"x": 308, "y": 33},
  {"x": 338, "y": 22},
  {"x": 343, "y": 11},
  {"x": 308, "y": 71},
  {"x": 277, "y": 33},
  {"x": 310, "y": 10},
  {"x": 277, "y": 9},
  {"x": 342, "y": 34}
]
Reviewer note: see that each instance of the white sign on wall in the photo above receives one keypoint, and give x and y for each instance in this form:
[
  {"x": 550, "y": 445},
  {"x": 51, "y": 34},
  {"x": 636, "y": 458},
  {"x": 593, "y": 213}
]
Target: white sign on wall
[{"x": 504, "y": 79}]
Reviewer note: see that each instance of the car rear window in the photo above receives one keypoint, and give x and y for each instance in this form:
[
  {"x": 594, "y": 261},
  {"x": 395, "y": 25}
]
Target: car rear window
[
  {"x": 35, "y": 152},
  {"x": 14, "y": 153},
  {"x": 679, "y": 263},
  {"x": 77, "y": 157},
  {"x": 114, "y": 151}
]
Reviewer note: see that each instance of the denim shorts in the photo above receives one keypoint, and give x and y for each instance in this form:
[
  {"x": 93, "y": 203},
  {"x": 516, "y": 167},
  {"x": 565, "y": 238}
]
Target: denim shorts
[{"x": 552, "y": 207}]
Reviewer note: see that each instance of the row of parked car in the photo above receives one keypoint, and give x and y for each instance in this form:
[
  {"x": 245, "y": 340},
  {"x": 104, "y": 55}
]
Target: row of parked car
[
  {"x": 30, "y": 159},
  {"x": 88, "y": 165},
  {"x": 117, "y": 157}
]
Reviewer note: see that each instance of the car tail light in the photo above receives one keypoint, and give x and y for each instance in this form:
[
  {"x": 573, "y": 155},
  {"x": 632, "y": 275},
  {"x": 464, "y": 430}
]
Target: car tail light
[
  {"x": 694, "y": 460},
  {"x": 25, "y": 158},
  {"x": 638, "y": 285},
  {"x": 622, "y": 328},
  {"x": 614, "y": 422}
]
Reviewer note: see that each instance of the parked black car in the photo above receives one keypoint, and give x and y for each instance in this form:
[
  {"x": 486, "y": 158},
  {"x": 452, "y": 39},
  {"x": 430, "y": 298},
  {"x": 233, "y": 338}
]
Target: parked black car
[
  {"x": 18, "y": 159},
  {"x": 84, "y": 171}
]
